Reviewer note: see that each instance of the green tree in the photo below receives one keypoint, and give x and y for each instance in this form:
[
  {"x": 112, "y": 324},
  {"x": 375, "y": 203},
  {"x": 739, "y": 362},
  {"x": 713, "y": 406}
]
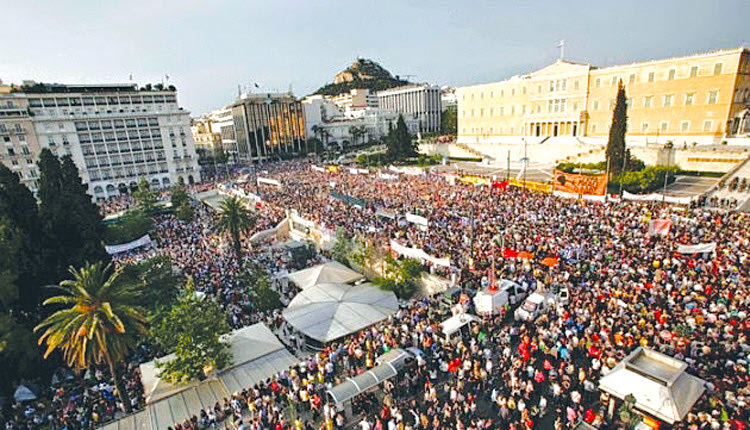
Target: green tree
[
  {"x": 132, "y": 225},
  {"x": 399, "y": 142},
  {"x": 192, "y": 330},
  {"x": 449, "y": 121},
  {"x": 18, "y": 208},
  {"x": 10, "y": 244},
  {"x": 400, "y": 277},
  {"x": 180, "y": 195},
  {"x": 18, "y": 351},
  {"x": 185, "y": 212},
  {"x": 264, "y": 297},
  {"x": 616, "y": 143},
  {"x": 99, "y": 322},
  {"x": 71, "y": 224},
  {"x": 158, "y": 282},
  {"x": 235, "y": 219},
  {"x": 145, "y": 198},
  {"x": 341, "y": 245}
]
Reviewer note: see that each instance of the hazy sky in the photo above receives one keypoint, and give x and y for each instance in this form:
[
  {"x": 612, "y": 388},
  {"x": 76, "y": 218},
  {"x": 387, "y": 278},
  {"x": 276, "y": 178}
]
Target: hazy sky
[{"x": 208, "y": 47}]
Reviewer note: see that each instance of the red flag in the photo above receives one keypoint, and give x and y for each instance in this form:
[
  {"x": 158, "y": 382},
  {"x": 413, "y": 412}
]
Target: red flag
[
  {"x": 550, "y": 261},
  {"x": 509, "y": 253},
  {"x": 659, "y": 227}
]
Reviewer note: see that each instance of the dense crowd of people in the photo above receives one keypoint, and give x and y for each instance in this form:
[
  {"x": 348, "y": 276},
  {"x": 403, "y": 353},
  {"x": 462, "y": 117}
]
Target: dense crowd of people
[{"x": 629, "y": 287}]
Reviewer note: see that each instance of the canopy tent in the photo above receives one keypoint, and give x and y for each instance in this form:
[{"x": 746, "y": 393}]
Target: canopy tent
[
  {"x": 352, "y": 387},
  {"x": 333, "y": 272},
  {"x": 23, "y": 394},
  {"x": 326, "y": 312},
  {"x": 256, "y": 355},
  {"x": 659, "y": 383}
]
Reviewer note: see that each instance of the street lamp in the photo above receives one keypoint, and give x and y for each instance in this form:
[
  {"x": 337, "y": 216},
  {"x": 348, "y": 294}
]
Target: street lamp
[{"x": 668, "y": 146}]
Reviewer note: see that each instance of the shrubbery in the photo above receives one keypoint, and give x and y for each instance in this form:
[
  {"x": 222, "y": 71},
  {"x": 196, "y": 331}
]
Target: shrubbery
[
  {"x": 130, "y": 226},
  {"x": 647, "y": 180}
]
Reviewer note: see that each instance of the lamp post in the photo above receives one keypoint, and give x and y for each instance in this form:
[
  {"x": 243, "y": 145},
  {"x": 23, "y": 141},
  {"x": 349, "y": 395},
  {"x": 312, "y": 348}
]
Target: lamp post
[{"x": 668, "y": 146}]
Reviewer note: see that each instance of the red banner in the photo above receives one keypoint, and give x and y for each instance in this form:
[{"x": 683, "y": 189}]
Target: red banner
[{"x": 580, "y": 184}]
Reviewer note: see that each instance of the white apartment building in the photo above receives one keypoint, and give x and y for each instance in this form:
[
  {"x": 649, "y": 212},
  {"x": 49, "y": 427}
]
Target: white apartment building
[
  {"x": 420, "y": 101},
  {"x": 18, "y": 145},
  {"x": 355, "y": 99},
  {"x": 115, "y": 133}
]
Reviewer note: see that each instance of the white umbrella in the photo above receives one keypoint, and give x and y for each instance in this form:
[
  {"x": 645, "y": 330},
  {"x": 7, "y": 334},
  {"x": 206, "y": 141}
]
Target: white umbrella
[
  {"x": 326, "y": 312},
  {"x": 23, "y": 394}
]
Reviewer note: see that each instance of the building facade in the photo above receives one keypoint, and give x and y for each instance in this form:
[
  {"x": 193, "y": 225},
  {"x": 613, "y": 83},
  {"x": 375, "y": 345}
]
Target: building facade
[
  {"x": 421, "y": 102},
  {"x": 115, "y": 134},
  {"x": 698, "y": 99},
  {"x": 268, "y": 125},
  {"x": 204, "y": 135},
  {"x": 358, "y": 98},
  {"x": 20, "y": 149}
]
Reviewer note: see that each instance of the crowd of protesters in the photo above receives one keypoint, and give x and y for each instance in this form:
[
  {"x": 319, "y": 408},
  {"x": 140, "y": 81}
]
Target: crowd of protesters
[{"x": 629, "y": 287}]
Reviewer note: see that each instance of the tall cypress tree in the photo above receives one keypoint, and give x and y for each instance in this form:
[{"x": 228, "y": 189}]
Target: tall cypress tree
[
  {"x": 405, "y": 144},
  {"x": 71, "y": 223},
  {"x": 18, "y": 208},
  {"x": 616, "y": 144}
]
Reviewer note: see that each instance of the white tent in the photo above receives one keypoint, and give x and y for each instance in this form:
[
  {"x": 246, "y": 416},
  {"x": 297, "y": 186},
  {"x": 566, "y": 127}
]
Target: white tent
[
  {"x": 23, "y": 394},
  {"x": 333, "y": 272},
  {"x": 661, "y": 386},
  {"x": 326, "y": 312},
  {"x": 256, "y": 355}
]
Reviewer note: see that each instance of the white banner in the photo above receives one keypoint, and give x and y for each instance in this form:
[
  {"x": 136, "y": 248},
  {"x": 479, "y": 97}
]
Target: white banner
[
  {"x": 124, "y": 247},
  {"x": 385, "y": 213},
  {"x": 262, "y": 180},
  {"x": 318, "y": 169},
  {"x": 656, "y": 197},
  {"x": 416, "y": 219},
  {"x": 566, "y": 195},
  {"x": 387, "y": 176},
  {"x": 697, "y": 249},
  {"x": 363, "y": 171},
  {"x": 353, "y": 171},
  {"x": 419, "y": 254}
]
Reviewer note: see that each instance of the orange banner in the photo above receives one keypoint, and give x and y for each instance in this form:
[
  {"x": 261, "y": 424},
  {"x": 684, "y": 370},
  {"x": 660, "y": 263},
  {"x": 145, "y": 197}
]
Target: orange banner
[{"x": 580, "y": 184}]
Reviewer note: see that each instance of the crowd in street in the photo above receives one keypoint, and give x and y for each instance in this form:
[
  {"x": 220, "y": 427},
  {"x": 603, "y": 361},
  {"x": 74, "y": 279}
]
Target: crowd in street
[{"x": 629, "y": 287}]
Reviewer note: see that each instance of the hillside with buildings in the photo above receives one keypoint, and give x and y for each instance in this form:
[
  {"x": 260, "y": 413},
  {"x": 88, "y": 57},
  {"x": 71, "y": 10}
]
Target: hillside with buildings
[{"x": 362, "y": 74}]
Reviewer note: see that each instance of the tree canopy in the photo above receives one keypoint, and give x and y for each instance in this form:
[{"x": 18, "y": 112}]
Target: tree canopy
[
  {"x": 192, "y": 331},
  {"x": 98, "y": 323}
]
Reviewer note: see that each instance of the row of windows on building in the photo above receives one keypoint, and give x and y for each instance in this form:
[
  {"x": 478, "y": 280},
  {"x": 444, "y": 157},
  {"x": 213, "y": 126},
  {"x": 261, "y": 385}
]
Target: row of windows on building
[
  {"x": 663, "y": 127},
  {"x": 130, "y": 172},
  {"x": 559, "y": 105},
  {"x": 51, "y": 102},
  {"x": 556, "y": 85}
]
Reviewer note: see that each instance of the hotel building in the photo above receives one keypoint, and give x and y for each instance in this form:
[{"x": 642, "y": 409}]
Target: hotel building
[
  {"x": 268, "y": 125},
  {"x": 698, "y": 99},
  {"x": 419, "y": 102},
  {"x": 115, "y": 134}
]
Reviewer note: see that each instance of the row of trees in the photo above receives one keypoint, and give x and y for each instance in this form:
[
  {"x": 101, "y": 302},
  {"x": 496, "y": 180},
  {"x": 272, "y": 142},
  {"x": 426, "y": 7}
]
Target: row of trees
[
  {"x": 93, "y": 314},
  {"x": 39, "y": 241}
]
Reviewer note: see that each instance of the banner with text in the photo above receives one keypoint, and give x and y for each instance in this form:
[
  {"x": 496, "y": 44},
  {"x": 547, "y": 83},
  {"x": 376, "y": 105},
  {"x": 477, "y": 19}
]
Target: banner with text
[
  {"x": 262, "y": 180},
  {"x": 580, "y": 184},
  {"x": 531, "y": 185},
  {"x": 125, "y": 247},
  {"x": 419, "y": 254}
]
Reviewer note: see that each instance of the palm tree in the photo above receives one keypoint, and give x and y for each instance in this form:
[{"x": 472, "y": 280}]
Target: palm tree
[
  {"x": 101, "y": 321},
  {"x": 234, "y": 218}
]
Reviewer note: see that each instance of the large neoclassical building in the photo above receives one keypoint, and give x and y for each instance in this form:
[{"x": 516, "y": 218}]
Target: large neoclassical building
[{"x": 701, "y": 99}]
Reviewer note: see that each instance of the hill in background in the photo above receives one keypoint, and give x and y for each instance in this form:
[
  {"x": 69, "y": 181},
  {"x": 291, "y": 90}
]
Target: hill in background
[{"x": 362, "y": 73}]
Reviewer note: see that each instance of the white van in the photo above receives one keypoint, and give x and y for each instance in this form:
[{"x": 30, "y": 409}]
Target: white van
[
  {"x": 490, "y": 302},
  {"x": 531, "y": 308}
]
